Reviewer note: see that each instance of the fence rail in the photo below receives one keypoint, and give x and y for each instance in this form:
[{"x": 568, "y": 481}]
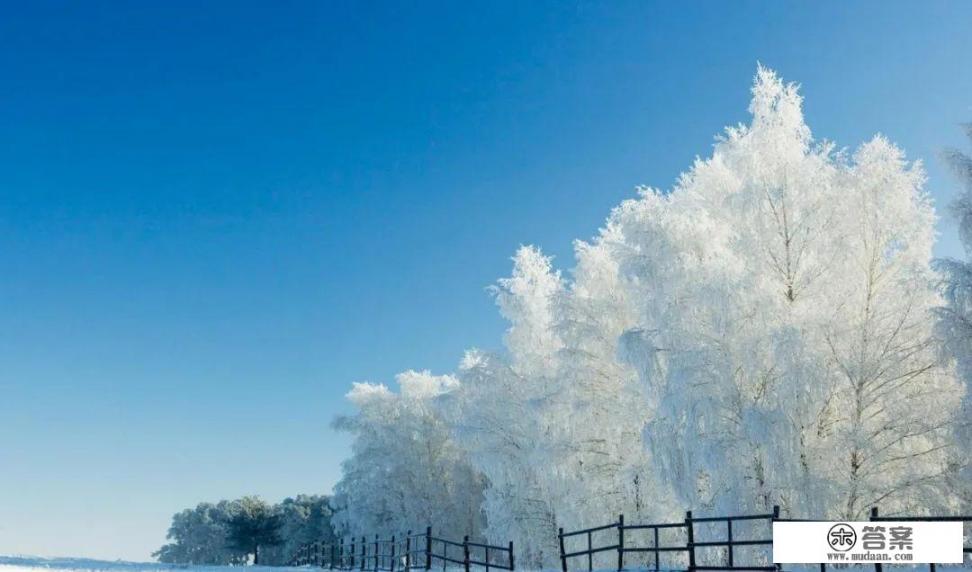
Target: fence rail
[
  {"x": 422, "y": 551},
  {"x": 875, "y": 517},
  {"x": 693, "y": 550},
  {"x": 407, "y": 552}
]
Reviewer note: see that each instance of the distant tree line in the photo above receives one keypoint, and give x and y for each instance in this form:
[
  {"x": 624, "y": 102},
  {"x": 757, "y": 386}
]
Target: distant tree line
[{"x": 246, "y": 530}]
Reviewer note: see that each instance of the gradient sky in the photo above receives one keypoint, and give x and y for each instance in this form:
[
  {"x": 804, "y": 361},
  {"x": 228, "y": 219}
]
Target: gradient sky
[{"x": 215, "y": 216}]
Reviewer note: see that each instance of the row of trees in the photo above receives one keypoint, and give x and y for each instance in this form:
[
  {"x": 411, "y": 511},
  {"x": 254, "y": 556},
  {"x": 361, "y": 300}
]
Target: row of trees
[
  {"x": 955, "y": 315},
  {"x": 771, "y": 331},
  {"x": 247, "y": 530}
]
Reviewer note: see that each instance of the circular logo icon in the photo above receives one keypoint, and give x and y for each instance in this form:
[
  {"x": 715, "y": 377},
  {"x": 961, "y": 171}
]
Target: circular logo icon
[{"x": 842, "y": 537}]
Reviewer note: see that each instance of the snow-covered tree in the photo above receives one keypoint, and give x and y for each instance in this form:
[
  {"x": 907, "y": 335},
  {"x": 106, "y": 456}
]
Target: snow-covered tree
[
  {"x": 503, "y": 410},
  {"x": 253, "y": 527},
  {"x": 555, "y": 424},
  {"x": 199, "y": 536},
  {"x": 955, "y": 323},
  {"x": 406, "y": 470},
  {"x": 224, "y": 533},
  {"x": 787, "y": 295},
  {"x": 762, "y": 333},
  {"x": 304, "y": 519}
]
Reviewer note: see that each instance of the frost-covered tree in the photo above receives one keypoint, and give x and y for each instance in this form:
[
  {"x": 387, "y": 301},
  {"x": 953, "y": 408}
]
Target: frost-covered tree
[
  {"x": 253, "y": 527},
  {"x": 303, "y": 519},
  {"x": 762, "y": 333},
  {"x": 785, "y": 296},
  {"x": 604, "y": 465},
  {"x": 406, "y": 470},
  {"x": 554, "y": 423},
  {"x": 504, "y": 410},
  {"x": 199, "y": 536},
  {"x": 955, "y": 317},
  {"x": 228, "y": 532}
]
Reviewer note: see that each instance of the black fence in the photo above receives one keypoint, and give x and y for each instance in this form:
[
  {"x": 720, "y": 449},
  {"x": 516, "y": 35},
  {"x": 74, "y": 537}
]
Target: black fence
[
  {"x": 735, "y": 543},
  {"x": 409, "y": 552},
  {"x": 875, "y": 517},
  {"x": 687, "y": 548},
  {"x": 698, "y": 544}
]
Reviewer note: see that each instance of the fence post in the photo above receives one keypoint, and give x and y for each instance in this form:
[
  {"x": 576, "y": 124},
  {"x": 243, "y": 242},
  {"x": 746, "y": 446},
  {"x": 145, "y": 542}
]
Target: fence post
[
  {"x": 465, "y": 552},
  {"x": 333, "y": 554},
  {"x": 691, "y": 541},
  {"x": 563, "y": 554},
  {"x": 729, "y": 538},
  {"x": 620, "y": 542},
  {"x": 428, "y": 548},
  {"x": 392, "y": 554},
  {"x": 776, "y": 516},
  {"x": 511, "y": 556},
  {"x": 590, "y": 555},
  {"x": 408, "y": 551},
  {"x": 351, "y": 558},
  {"x": 364, "y": 552},
  {"x": 377, "y": 551},
  {"x": 874, "y": 515},
  {"x": 657, "y": 553}
]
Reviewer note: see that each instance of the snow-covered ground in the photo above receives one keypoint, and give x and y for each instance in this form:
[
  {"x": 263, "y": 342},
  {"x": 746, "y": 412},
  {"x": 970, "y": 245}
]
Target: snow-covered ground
[{"x": 33, "y": 563}]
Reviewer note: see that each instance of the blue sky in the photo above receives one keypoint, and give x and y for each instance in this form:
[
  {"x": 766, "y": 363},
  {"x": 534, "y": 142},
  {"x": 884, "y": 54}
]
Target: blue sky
[{"x": 214, "y": 217}]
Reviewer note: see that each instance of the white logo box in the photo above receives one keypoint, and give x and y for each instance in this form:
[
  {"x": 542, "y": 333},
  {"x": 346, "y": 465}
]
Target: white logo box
[{"x": 810, "y": 542}]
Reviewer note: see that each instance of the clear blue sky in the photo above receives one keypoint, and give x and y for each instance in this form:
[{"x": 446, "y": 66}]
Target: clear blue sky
[{"x": 214, "y": 217}]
